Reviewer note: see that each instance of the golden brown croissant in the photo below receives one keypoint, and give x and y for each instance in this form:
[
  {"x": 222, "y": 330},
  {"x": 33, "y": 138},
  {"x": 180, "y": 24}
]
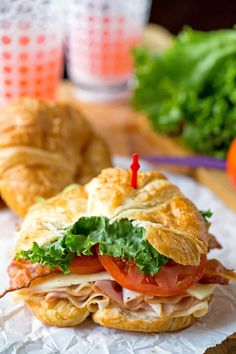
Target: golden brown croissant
[
  {"x": 45, "y": 146},
  {"x": 173, "y": 227},
  {"x": 173, "y": 223}
]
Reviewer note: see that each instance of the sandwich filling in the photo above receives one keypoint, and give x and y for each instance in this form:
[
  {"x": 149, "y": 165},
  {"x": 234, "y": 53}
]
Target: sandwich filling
[
  {"x": 100, "y": 290},
  {"x": 112, "y": 264}
]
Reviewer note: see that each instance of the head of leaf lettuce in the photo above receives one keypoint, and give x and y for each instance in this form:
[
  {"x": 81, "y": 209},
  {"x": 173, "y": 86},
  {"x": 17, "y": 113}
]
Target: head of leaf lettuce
[{"x": 189, "y": 90}]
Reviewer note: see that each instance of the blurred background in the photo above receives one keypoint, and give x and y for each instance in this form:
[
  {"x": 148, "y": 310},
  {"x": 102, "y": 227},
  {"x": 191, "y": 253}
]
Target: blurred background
[
  {"x": 199, "y": 14},
  {"x": 173, "y": 80},
  {"x": 204, "y": 15}
]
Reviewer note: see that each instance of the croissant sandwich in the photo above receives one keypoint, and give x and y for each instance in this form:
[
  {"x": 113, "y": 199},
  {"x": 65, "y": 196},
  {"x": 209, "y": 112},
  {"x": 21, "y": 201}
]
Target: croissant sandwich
[
  {"x": 133, "y": 259},
  {"x": 44, "y": 146}
]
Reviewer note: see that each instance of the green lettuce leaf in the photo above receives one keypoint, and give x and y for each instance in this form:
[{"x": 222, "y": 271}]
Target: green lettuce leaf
[
  {"x": 206, "y": 214},
  {"x": 190, "y": 89},
  {"x": 119, "y": 239}
]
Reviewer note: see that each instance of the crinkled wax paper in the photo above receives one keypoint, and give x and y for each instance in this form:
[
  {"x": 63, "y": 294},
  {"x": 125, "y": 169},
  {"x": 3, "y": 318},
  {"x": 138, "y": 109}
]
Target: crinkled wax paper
[{"x": 22, "y": 333}]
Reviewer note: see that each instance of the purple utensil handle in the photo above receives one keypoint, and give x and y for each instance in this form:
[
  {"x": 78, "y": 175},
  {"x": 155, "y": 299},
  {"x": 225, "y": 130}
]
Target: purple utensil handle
[{"x": 189, "y": 161}]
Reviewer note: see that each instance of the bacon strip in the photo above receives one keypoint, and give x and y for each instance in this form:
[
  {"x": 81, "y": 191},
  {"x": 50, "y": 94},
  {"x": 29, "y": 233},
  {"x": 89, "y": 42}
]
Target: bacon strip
[
  {"x": 216, "y": 273},
  {"x": 213, "y": 243},
  {"x": 22, "y": 273}
]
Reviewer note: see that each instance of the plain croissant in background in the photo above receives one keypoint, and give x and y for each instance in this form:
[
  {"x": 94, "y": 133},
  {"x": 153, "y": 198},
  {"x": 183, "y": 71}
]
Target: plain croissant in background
[{"x": 45, "y": 146}]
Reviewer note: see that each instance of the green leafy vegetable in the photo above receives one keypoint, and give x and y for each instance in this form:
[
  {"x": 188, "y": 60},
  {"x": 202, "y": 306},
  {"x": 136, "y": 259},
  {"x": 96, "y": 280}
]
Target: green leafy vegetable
[
  {"x": 54, "y": 255},
  {"x": 119, "y": 239},
  {"x": 206, "y": 214},
  {"x": 190, "y": 89},
  {"x": 39, "y": 200},
  {"x": 70, "y": 186}
]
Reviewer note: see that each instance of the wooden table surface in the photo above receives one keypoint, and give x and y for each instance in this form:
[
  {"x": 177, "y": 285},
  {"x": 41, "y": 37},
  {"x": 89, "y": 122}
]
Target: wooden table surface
[{"x": 126, "y": 132}]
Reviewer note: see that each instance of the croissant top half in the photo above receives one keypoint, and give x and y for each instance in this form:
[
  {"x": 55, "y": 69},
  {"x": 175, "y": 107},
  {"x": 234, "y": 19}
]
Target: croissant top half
[{"x": 173, "y": 224}]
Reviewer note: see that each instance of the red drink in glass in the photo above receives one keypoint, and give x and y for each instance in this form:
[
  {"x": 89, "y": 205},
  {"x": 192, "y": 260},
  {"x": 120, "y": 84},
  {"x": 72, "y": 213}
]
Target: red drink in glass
[
  {"x": 100, "y": 36},
  {"x": 30, "y": 49}
]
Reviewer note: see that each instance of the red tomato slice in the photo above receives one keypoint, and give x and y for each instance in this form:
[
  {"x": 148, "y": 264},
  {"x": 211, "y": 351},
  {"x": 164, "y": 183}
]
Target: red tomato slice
[
  {"x": 172, "y": 279},
  {"x": 86, "y": 265},
  {"x": 231, "y": 162}
]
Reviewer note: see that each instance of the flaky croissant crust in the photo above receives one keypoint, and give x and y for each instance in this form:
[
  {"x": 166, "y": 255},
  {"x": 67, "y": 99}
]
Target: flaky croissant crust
[
  {"x": 62, "y": 313},
  {"x": 44, "y": 146},
  {"x": 174, "y": 227},
  {"x": 173, "y": 224}
]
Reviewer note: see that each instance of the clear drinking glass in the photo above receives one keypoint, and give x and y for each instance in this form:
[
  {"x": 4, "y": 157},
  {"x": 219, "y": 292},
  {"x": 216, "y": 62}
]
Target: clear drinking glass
[
  {"x": 31, "y": 37},
  {"x": 100, "y": 35}
]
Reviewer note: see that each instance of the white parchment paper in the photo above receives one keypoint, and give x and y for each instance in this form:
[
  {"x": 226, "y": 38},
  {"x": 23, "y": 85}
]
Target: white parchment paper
[{"x": 22, "y": 333}]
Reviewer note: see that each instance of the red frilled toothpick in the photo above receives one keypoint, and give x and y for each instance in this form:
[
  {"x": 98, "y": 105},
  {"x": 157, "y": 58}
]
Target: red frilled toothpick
[{"x": 134, "y": 166}]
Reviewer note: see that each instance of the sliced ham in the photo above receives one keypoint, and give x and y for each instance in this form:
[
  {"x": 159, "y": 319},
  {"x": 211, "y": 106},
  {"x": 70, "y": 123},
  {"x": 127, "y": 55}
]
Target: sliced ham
[
  {"x": 105, "y": 291},
  {"x": 163, "y": 306},
  {"x": 101, "y": 293},
  {"x": 92, "y": 301},
  {"x": 186, "y": 302},
  {"x": 111, "y": 289},
  {"x": 137, "y": 303},
  {"x": 55, "y": 295},
  {"x": 216, "y": 273},
  {"x": 81, "y": 292}
]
